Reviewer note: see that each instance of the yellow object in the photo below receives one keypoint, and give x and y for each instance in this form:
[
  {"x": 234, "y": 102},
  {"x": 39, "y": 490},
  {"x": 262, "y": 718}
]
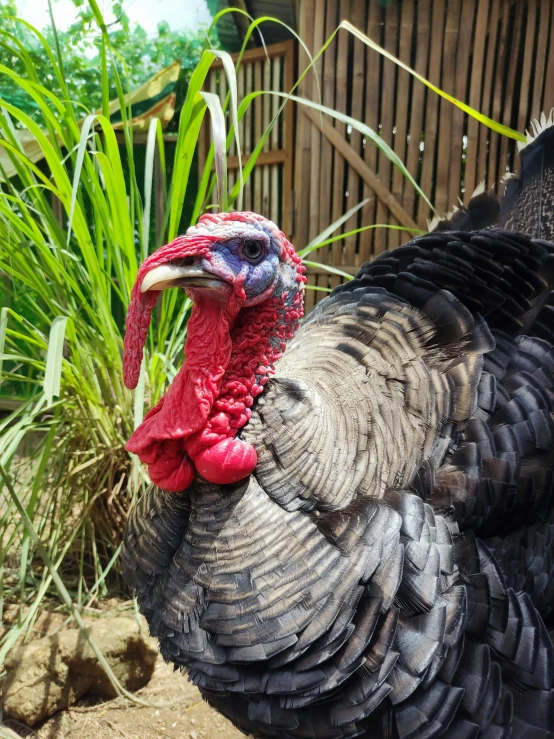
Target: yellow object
[{"x": 154, "y": 99}]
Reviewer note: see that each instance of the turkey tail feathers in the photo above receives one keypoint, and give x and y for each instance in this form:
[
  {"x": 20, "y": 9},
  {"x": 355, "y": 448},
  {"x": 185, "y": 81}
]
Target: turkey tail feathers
[
  {"x": 528, "y": 202},
  {"x": 481, "y": 212}
]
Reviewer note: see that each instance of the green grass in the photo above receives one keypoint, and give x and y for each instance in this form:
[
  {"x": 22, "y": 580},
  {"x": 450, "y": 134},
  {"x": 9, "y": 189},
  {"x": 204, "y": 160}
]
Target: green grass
[{"x": 65, "y": 288}]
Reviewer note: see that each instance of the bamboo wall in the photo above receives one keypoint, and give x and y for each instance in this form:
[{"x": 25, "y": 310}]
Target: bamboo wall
[
  {"x": 269, "y": 189},
  {"x": 497, "y": 55}
]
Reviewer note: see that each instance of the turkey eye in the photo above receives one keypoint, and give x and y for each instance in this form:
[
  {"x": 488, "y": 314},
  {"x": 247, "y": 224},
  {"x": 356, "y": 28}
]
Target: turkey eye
[{"x": 252, "y": 249}]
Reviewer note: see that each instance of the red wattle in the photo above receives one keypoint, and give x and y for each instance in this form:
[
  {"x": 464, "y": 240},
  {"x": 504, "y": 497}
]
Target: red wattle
[
  {"x": 226, "y": 462},
  {"x": 169, "y": 466}
]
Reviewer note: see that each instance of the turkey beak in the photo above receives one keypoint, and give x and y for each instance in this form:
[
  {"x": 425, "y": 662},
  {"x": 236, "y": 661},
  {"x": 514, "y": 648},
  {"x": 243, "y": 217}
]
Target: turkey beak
[{"x": 175, "y": 274}]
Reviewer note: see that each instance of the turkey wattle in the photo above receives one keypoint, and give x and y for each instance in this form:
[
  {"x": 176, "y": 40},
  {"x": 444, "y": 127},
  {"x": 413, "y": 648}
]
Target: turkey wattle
[{"x": 385, "y": 570}]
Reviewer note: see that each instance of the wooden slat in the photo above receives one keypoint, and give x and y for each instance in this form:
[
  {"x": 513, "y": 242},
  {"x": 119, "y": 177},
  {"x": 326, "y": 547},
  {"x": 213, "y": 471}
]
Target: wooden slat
[
  {"x": 349, "y": 269},
  {"x": 390, "y": 72},
  {"x": 266, "y": 119},
  {"x": 373, "y": 62},
  {"x": 334, "y": 281},
  {"x": 461, "y": 83},
  {"x": 246, "y": 140},
  {"x": 447, "y": 149},
  {"x": 266, "y": 184},
  {"x": 326, "y": 151},
  {"x": 472, "y": 150},
  {"x": 273, "y": 156},
  {"x": 339, "y": 169},
  {"x": 486, "y": 106},
  {"x": 276, "y": 85},
  {"x": 266, "y": 102},
  {"x": 403, "y": 86},
  {"x": 260, "y": 53},
  {"x": 318, "y": 21},
  {"x": 309, "y": 299},
  {"x": 363, "y": 170},
  {"x": 258, "y": 130},
  {"x": 419, "y": 91},
  {"x": 232, "y": 176},
  {"x": 356, "y": 111},
  {"x": 529, "y": 54},
  {"x": 241, "y": 81},
  {"x": 507, "y": 146},
  {"x": 303, "y": 133},
  {"x": 540, "y": 59},
  {"x": 548, "y": 101},
  {"x": 288, "y": 142},
  {"x": 497, "y": 95},
  {"x": 431, "y": 110}
]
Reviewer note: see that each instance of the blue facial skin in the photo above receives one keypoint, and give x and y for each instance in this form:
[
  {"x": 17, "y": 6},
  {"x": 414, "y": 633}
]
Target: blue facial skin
[{"x": 228, "y": 259}]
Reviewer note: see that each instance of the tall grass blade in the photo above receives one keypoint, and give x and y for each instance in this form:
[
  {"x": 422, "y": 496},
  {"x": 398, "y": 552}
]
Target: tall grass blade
[
  {"x": 366, "y": 131},
  {"x": 62, "y": 590},
  {"x": 219, "y": 137},
  {"x": 54, "y": 358},
  {"x": 148, "y": 178},
  {"x": 494, "y": 125},
  {"x": 231, "y": 75},
  {"x": 328, "y": 268},
  {"x": 333, "y": 227},
  {"x": 85, "y": 130},
  {"x": 354, "y": 232},
  {"x": 138, "y": 402},
  {"x": 3, "y": 328}
]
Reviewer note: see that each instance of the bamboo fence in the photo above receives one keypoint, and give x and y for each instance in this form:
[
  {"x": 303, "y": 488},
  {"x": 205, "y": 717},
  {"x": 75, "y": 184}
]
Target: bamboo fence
[{"x": 496, "y": 55}]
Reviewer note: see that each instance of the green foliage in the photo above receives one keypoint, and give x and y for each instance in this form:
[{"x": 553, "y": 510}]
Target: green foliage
[
  {"x": 139, "y": 55},
  {"x": 66, "y": 284}
]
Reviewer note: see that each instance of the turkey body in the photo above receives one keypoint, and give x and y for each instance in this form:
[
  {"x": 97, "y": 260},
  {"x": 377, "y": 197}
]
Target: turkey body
[{"x": 386, "y": 570}]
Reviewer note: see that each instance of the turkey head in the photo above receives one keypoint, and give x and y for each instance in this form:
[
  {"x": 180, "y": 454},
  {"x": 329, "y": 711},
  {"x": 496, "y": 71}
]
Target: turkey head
[{"x": 246, "y": 283}]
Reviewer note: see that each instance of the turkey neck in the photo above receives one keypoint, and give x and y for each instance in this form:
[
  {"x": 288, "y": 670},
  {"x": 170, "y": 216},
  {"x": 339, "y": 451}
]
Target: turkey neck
[
  {"x": 257, "y": 338},
  {"x": 230, "y": 350}
]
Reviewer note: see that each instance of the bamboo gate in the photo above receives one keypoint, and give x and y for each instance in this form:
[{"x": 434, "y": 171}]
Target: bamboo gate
[{"x": 496, "y": 55}]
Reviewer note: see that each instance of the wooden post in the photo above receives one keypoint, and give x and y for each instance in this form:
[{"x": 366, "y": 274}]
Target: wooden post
[{"x": 241, "y": 21}]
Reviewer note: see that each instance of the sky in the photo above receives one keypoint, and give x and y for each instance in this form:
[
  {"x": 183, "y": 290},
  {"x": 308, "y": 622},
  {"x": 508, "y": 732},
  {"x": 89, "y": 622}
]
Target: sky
[{"x": 148, "y": 13}]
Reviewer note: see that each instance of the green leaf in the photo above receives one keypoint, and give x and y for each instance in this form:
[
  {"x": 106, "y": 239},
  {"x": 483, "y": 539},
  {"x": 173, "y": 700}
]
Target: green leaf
[
  {"x": 355, "y": 231},
  {"x": 315, "y": 242},
  {"x": 485, "y": 120},
  {"x": 365, "y": 131},
  {"x": 54, "y": 358},
  {"x": 153, "y": 129},
  {"x": 220, "y": 147},
  {"x": 231, "y": 75},
  {"x": 328, "y": 268},
  {"x": 3, "y": 327}
]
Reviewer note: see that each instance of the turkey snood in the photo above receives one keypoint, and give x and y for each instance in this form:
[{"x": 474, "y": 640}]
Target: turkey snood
[{"x": 246, "y": 283}]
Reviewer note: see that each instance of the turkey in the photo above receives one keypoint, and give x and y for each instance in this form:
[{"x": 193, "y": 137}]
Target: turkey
[{"x": 354, "y": 537}]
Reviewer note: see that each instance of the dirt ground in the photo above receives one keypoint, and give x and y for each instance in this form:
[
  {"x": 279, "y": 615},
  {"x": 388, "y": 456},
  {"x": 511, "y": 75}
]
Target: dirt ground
[
  {"x": 179, "y": 713},
  {"x": 176, "y": 709}
]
